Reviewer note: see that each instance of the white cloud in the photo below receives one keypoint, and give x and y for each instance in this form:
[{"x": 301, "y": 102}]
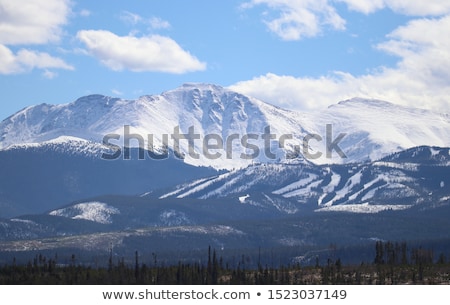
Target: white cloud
[
  {"x": 407, "y": 7},
  {"x": 300, "y": 93},
  {"x": 49, "y": 74},
  {"x": 32, "y": 21},
  {"x": 8, "y": 61},
  {"x": 158, "y": 23},
  {"x": 130, "y": 18},
  {"x": 153, "y": 22},
  {"x": 27, "y": 60},
  {"x": 421, "y": 77},
  {"x": 364, "y": 6},
  {"x": 298, "y": 19},
  {"x": 85, "y": 13},
  {"x": 138, "y": 54}
]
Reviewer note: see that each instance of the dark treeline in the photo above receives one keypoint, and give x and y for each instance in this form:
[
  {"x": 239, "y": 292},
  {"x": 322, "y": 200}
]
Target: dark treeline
[{"x": 393, "y": 263}]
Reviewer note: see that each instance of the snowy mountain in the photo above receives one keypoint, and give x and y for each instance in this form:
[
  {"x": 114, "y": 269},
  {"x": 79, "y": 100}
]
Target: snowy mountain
[
  {"x": 418, "y": 177},
  {"x": 196, "y": 110},
  {"x": 224, "y": 129},
  {"x": 376, "y": 128}
]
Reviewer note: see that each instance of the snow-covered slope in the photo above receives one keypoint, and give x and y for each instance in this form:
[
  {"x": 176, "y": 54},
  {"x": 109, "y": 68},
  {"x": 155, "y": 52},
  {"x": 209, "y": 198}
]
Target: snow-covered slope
[
  {"x": 68, "y": 145},
  {"x": 94, "y": 211},
  {"x": 224, "y": 129},
  {"x": 191, "y": 110},
  {"x": 375, "y": 128},
  {"x": 415, "y": 177}
]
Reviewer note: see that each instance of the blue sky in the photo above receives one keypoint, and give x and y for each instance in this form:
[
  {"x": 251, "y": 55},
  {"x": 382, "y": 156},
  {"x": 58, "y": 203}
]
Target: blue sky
[{"x": 297, "y": 54}]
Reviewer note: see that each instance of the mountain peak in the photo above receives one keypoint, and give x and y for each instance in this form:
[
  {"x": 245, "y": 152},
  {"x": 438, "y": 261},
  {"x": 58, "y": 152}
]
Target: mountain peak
[
  {"x": 190, "y": 86},
  {"x": 91, "y": 97},
  {"x": 208, "y": 97},
  {"x": 95, "y": 99}
]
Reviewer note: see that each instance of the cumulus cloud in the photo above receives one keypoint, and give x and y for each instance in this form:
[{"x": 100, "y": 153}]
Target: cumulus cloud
[
  {"x": 139, "y": 54},
  {"x": 298, "y": 19},
  {"x": 364, "y": 6},
  {"x": 421, "y": 77},
  {"x": 407, "y": 7},
  {"x": 26, "y": 60},
  {"x": 31, "y": 22}
]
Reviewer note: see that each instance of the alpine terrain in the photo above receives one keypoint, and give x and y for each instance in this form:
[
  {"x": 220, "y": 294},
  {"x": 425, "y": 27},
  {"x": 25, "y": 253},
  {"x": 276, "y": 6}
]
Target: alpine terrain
[{"x": 202, "y": 165}]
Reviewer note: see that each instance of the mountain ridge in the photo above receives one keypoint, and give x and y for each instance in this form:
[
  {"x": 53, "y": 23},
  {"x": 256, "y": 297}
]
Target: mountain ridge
[
  {"x": 237, "y": 125},
  {"x": 403, "y": 180}
]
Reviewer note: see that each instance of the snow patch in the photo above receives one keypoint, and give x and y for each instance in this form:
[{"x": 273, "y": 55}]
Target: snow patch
[
  {"x": 354, "y": 180},
  {"x": 23, "y": 221},
  {"x": 184, "y": 187},
  {"x": 404, "y": 166},
  {"x": 243, "y": 198},
  {"x": 206, "y": 230},
  {"x": 174, "y": 218},
  {"x": 434, "y": 152},
  {"x": 296, "y": 185},
  {"x": 92, "y": 211},
  {"x": 306, "y": 191},
  {"x": 201, "y": 186},
  {"x": 363, "y": 208}
]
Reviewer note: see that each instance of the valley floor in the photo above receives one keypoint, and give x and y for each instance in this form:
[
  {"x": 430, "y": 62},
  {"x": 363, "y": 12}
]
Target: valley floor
[{"x": 390, "y": 267}]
